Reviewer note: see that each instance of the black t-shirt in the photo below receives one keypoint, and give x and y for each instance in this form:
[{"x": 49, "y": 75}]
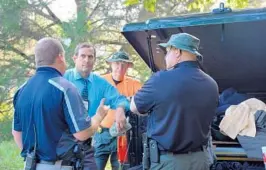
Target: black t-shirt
[{"x": 182, "y": 103}]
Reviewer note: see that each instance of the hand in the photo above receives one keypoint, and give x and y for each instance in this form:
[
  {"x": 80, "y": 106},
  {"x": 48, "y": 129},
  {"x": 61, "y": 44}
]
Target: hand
[
  {"x": 120, "y": 119},
  {"x": 102, "y": 109}
]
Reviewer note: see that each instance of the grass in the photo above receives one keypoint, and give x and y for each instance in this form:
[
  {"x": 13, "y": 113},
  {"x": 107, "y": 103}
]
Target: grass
[
  {"x": 10, "y": 157},
  {"x": 9, "y": 152}
]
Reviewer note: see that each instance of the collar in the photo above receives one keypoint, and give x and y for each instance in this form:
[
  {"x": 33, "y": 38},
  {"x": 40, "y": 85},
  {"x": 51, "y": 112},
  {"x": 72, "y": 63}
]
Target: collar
[
  {"x": 187, "y": 64},
  {"x": 115, "y": 81},
  {"x": 48, "y": 69},
  {"x": 77, "y": 75}
]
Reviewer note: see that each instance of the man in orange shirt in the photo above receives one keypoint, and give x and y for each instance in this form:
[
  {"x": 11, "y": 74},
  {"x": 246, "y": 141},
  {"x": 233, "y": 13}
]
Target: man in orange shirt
[{"x": 127, "y": 86}]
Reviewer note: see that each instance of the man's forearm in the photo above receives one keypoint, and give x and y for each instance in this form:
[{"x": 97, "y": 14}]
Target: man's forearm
[
  {"x": 18, "y": 138},
  {"x": 89, "y": 132},
  {"x": 95, "y": 123}
]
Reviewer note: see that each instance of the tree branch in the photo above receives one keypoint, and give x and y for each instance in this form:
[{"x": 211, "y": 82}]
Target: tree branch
[
  {"x": 27, "y": 31},
  {"x": 94, "y": 9},
  {"x": 7, "y": 102},
  {"x": 109, "y": 30},
  {"x": 16, "y": 63},
  {"x": 110, "y": 42},
  {"x": 30, "y": 34},
  {"x": 17, "y": 51},
  {"x": 50, "y": 25},
  {"x": 40, "y": 28},
  {"x": 107, "y": 18},
  {"x": 40, "y": 12},
  {"x": 50, "y": 12}
]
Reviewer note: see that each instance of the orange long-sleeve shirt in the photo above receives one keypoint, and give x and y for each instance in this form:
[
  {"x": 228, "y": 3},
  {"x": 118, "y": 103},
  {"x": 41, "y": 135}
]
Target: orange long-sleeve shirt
[{"x": 128, "y": 87}]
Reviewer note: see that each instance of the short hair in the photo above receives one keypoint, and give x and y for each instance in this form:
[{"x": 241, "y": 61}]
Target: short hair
[
  {"x": 84, "y": 45},
  {"x": 46, "y": 51}
]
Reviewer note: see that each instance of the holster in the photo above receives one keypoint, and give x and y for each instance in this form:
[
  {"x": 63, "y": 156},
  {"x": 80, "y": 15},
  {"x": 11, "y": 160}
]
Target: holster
[
  {"x": 154, "y": 151},
  {"x": 30, "y": 161},
  {"x": 150, "y": 152},
  {"x": 72, "y": 151},
  {"x": 146, "y": 152}
]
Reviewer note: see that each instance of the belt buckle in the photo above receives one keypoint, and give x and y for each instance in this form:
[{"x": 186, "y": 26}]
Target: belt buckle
[{"x": 99, "y": 130}]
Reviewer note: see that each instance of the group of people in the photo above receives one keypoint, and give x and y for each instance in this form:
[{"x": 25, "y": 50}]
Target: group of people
[{"x": 56, "y": 105}]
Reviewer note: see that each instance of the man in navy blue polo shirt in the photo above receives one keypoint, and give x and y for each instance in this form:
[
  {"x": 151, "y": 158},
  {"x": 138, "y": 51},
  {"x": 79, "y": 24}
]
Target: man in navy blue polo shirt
[
  {"x": 48, "y": 108},
  {"x": 180, "y": 103}
]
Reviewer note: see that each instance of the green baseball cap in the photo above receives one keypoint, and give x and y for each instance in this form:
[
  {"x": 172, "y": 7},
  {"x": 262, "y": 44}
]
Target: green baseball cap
[
  {"x": 184, "y": 41},
  {"x": 119, "y": 56}
]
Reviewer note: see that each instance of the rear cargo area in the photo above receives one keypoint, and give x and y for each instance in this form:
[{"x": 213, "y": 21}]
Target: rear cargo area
[{"x": 234, "y": 49}]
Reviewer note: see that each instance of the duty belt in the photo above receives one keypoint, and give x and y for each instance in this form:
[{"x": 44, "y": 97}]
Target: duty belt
[
  {"x": 64, "y": 163},
  {"x": 163, "y": 152}
]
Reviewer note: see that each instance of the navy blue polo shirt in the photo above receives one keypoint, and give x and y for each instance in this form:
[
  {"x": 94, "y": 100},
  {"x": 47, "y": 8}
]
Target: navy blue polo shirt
[
  {"x": 181, "y": 103},
  {"x": 54, "y": 106}
]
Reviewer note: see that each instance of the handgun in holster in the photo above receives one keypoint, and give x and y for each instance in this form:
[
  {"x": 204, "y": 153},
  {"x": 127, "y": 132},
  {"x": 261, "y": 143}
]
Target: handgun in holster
[
  {"x": 154, "y": 151},
  {"x": 78, "y": 158},
  {"x": 31, "y": 161},
  {"x": 146, "y": 152},
  {"x": 31, "y": 158},
  {"x": 80, "y": 151}
]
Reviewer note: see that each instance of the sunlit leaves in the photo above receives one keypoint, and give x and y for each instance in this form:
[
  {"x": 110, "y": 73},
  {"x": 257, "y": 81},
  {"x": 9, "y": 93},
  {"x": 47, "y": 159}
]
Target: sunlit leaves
[
  {"x": 200, "y": 5},
  {"x": 131, "y": 2},
  {"x": 237, "y": 3},
  {"x": 149, "y": 5}
]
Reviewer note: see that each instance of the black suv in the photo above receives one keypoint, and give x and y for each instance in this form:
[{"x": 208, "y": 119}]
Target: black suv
[{"x": 233, "y": 44}]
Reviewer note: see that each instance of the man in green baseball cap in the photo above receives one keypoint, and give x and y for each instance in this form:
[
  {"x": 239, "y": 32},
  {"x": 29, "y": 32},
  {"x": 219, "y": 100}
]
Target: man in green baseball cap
[{"x": 181, "y": 47}]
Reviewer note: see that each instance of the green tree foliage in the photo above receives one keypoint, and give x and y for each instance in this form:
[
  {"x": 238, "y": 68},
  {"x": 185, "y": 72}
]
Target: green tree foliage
[
  {"x": 193, "y": 5},
  {"x": 24, "y": 22},
  {"x": 5, "y": 121},
  {"x": 238, "y": 3}
]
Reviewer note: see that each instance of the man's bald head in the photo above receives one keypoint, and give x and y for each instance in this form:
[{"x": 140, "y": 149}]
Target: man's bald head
[{"x": 46, "y": 51}]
